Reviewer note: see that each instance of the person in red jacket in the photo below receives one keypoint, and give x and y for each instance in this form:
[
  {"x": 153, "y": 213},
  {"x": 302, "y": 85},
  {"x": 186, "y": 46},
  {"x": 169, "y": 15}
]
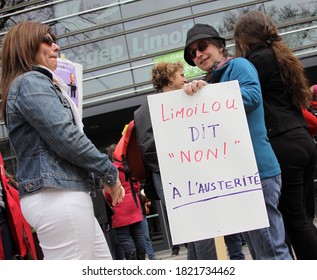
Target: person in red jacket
[
  {"x": 311, "y": 121},
  {"x": 16, "y": 239},
  {"x": 127, "y": 218},
  {"x": 310, "y": 114}
]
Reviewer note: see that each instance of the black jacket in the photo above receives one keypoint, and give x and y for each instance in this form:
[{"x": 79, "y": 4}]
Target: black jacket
[
  {"x": 280, "y": 113},
  {"x": 144, "y": 132}
]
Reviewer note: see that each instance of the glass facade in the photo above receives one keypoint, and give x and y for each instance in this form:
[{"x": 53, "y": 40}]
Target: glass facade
[
  {"x": 110, "y": 37},
  {"x": 117, "y": 42}
]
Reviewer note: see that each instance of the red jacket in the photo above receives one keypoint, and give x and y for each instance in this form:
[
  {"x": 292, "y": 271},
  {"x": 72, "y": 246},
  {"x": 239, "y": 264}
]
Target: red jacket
[
  {"x": 20, "y": 229},
  {"x": 126, "y": 212},
  {"x": 311, "y": 121}
]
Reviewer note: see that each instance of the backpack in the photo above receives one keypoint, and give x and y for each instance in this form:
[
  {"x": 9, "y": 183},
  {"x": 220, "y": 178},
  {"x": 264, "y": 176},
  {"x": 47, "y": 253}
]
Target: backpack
[
  {"x": 20, "y": 230},
  {"x": 128, "y": 153}
]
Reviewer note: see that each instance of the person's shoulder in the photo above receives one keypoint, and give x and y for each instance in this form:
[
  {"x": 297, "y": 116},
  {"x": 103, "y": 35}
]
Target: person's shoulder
[
  {"x": 143, "y": 105},
  {"x": 241, "y": 61},
  {"x": 242, "y": 65},
  {"x": 261, "y": 55},
  {"x": 34, "y": 76},
  {"x": 27, "y": 79},
  {"x": 142, "y": 110},
  {"x": 261, "y": 51}
]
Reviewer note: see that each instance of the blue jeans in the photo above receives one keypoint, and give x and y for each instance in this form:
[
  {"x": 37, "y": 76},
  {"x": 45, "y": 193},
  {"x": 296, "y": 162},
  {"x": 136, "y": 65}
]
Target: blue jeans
[
  {"x": 131, "y": 238},
  {"x": 148, "y": 243},
  {"x": 117, "y": 250},
  {"x": 269, "y": 243},
  {"x": 202, "y": 250},
  {"x": 234, "y": 246}
]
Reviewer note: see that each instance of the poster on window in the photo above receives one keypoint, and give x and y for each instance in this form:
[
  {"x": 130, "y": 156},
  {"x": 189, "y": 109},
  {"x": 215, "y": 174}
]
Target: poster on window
[
  {"x": 210, "y": 178},
  {"x": 72, "y": 75}
]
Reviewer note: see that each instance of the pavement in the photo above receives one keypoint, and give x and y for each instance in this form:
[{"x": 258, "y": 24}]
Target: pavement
[{"x": 167, "y": 254}]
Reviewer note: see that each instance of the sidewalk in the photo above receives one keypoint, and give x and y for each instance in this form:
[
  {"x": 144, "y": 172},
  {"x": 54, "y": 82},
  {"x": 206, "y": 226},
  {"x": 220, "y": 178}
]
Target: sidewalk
[{"x": 166, "y": 254}]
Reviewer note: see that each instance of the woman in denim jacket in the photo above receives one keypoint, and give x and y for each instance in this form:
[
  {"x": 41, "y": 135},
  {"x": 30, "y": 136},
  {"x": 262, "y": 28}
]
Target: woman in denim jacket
[{"x": 58, "y": 166}]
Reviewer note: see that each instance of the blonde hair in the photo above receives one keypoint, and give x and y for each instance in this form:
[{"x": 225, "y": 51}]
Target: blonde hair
[{"x": 163, "y": 72}]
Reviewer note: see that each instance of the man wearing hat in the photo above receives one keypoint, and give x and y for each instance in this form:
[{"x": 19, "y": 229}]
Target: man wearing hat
[{"x": 205, "y": 49}]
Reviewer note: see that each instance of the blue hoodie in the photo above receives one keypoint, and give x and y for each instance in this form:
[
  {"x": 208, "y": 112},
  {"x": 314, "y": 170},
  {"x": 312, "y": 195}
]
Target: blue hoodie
[{"x": 242, "y": 70}]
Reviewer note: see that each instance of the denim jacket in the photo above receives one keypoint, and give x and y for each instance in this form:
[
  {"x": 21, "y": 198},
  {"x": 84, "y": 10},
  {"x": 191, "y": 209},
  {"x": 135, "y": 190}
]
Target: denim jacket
[{"x": 51, "y": 150}]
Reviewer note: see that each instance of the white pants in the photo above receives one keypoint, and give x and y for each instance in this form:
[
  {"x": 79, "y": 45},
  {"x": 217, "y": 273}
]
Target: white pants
[{"x": 65, "y": 225}]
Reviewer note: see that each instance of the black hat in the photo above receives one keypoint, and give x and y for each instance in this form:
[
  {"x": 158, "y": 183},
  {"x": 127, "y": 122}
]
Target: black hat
[{"x": 199, "y": 31}]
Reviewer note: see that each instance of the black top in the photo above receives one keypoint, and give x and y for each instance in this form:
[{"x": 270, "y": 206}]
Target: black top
[
  {"x": 145, "y": 137},
  {"x": 281, "y": 115}
]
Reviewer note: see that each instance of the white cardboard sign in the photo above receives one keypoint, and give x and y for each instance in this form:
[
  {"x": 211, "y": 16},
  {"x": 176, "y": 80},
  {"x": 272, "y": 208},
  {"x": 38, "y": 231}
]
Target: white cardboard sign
[{"x": 209, "y": 173}]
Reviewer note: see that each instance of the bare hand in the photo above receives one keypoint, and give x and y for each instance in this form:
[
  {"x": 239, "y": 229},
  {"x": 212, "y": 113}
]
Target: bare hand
[
  {"x": 192, "y": 87},
  {"x": 116, "y": 192}
]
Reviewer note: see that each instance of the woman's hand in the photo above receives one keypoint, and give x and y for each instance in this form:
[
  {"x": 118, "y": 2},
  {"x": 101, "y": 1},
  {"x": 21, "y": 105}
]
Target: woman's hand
[
  {"x": 192, "y": 87},
  {"x": 116, "y": 192}
]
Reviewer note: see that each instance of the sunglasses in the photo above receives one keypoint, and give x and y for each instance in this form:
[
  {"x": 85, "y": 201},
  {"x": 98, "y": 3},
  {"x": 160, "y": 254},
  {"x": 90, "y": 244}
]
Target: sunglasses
[
  {"x": 201, "y": 46},
  {"x": 48, "y": 40}
]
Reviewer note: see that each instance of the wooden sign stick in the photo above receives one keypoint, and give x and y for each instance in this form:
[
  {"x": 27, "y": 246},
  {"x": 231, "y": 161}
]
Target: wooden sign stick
[{"x": 221, "y": 249}]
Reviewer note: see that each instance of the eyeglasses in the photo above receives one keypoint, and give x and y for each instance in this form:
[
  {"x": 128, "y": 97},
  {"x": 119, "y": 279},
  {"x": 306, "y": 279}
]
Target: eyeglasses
[
  {"x": 48, "y": 40},
  {"x": 201, "y": 46}
]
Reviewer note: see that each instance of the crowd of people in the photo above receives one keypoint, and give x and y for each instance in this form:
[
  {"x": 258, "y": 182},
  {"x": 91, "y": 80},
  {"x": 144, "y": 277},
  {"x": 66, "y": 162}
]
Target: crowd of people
[{"x": 59, "y": 169}]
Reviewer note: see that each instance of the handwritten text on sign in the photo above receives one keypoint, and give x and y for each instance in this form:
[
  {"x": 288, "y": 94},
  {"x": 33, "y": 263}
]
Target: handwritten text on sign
[{"x": 207, "y": 162}]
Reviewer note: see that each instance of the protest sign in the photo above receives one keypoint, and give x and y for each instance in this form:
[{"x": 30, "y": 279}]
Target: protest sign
[
  {"x": 209, "y": 173},
  {"x": 72, "y": 75}
]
